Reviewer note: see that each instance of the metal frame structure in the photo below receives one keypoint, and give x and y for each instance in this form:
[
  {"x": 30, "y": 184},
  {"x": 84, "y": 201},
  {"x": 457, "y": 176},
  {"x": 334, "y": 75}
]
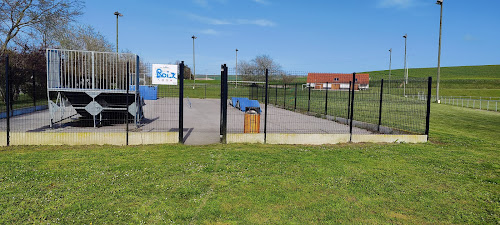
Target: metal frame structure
[{"x": 84, "y": 81}]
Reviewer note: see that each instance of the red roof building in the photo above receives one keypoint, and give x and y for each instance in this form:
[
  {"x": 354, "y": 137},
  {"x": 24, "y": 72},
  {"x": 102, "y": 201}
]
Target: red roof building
[{"x": 337, "y": 81}]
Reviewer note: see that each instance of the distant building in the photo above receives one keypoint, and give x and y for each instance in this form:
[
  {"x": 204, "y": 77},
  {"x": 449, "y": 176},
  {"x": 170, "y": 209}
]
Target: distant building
[{"x": 337, "y": 81}]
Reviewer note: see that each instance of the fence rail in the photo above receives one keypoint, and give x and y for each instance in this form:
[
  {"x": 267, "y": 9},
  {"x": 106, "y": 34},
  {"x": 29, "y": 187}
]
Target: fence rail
[{"x": 473, "y": 102}]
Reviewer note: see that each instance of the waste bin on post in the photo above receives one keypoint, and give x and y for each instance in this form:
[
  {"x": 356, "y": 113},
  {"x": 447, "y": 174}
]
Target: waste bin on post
[{"x": 252, "y": 120}]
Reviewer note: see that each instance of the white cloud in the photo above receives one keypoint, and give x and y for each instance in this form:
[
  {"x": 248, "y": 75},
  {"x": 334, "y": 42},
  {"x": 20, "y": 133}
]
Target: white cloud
[
  {"x": 403, "y": 4},
  {"x": 259, "y": 22},
  {"x": 202, "y": 3},
  {"x": 470, "y": 37},
  {"x": 208, "y": 3},
  {"x": 209, "y": 32},
  {"x": 264, "y": 2},
  {"x": 208, "y": 20},
  {"x": 213, "y": 21}
]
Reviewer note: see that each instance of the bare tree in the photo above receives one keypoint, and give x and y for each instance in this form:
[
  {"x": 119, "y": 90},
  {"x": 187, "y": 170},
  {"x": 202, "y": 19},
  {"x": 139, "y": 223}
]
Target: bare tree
[
  {"x": 263, "y": 62},
  {"x": 83, "y": 37},
  {"x": 255, "y": 70},
  {"x": 24, "y": 16}
]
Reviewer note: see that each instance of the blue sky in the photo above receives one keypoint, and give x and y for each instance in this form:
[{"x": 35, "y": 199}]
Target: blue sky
[{"x": 315, "y": 36}]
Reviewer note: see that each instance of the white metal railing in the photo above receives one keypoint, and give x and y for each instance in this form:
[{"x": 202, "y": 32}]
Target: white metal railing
[
  {"x": 484, "y": 103},
  {"x": 84, "y": 70},
  {"x": 474, "y": 102}
]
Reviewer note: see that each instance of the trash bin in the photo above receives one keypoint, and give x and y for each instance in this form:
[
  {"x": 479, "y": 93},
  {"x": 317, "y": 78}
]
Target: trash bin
[{"x": 252, "y": 121}]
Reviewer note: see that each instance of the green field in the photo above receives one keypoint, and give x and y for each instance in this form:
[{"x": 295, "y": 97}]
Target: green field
[
  {"x": 454, "y": 179},
  {"x": 455, "y": 81}
]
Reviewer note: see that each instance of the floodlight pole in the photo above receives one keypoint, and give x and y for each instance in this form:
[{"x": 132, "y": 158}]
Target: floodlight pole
[
  {"x": 236, "y": 68},
  {"x": 405, "y": 68},
  {"x": 117, "y": 14},
  {"x": 390, "y": 69},
  {"x": 194, "y": 64},
  {"x": 439, "y": 2}
]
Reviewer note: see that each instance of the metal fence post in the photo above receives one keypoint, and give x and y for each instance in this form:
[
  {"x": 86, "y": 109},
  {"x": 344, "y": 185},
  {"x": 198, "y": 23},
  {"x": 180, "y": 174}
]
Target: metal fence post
[
  {"x": 380, "y": 104},
  {"x": 126, "y": 104},
  {"x": 181, "y": 103},
  {"x": 309, "y": 99},
  {"x": 349, "y": 103},
  {"x": 137, "y": 90},
  {"x": 276, "y": 100},
  {"x": 295, "y": 102},
  {"x": 224, "y": 90},
  {"x": 7, "y": 97},
  {"x": 428, "y": 114},
  {"x": 284, "y": 98},
  {"x": 352, "y": 106},
  {"x": 221, "y": 96},
  {"x": 34, "y": 88},
  {"x": 326, "y": 100},
  {"x": 257, "y": 92},
  {"x": 265, "y": 107}
]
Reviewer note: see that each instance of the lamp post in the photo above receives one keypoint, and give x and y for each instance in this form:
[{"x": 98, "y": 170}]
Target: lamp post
[
  {"x": 236, "y": 68},
  {"x": 117, "y": 14},
  {"x": 194, "y": 64},
  {"x": 405, "y": 68},
  {"x": 390, "y": 69},
  {"x": 439, "y": 2}
]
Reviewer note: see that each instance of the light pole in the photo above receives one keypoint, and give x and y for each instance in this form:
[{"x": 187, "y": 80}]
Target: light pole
[
  {"x": 405, "y": 68},
  {"x": 236, "y": 68},
  {"x": 439, "y": 2},
  {"x": 117, "y": 14},
  {"x": 390, "y": 62},
  {"x": 194, "y": 64}
]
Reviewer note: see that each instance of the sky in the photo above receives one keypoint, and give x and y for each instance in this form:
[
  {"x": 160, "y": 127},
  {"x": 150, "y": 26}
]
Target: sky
[{"x": 311, "y": 36}]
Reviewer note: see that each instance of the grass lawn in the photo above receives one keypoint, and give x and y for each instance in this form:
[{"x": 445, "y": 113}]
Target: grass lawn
[
  {"x": 454, "y": 179},
  {"x": 455, "y": 81}
]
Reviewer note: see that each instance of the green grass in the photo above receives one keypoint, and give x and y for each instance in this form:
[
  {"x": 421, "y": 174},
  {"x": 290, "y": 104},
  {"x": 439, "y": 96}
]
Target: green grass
[
  {"x": 24, "y": 101},
  {"x": 405, "y": 114},
  {"x": 452, "y": 180},
  {"x": 455, "y": 81}
]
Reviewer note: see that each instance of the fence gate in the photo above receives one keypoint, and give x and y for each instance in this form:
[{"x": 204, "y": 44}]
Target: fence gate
[{"x": 200, "y": 114}]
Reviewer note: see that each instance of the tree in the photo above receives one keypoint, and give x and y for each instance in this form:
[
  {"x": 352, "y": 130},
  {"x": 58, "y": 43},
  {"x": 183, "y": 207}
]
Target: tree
[
  {"x": 19, "y": 16},
  {"x": 83, "y": 37},
  {"x": 187, "y": 71},
  {"x": 255, "y": 70},
  {"x": 24, "y": 66}
]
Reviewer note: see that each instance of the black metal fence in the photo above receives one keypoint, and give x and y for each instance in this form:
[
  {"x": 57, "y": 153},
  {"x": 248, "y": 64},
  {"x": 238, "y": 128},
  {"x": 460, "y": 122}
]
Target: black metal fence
[
  {"x": 385, "y": 107},
  {"x": 84, "y": 115},
  {"x": 277, "y": 104}
]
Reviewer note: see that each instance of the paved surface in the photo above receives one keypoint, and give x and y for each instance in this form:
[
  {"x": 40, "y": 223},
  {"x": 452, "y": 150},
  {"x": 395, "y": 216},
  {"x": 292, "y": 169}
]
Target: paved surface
[
  {"x": 285, "y": 121},
  {"x": 201, "y": 121}
]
